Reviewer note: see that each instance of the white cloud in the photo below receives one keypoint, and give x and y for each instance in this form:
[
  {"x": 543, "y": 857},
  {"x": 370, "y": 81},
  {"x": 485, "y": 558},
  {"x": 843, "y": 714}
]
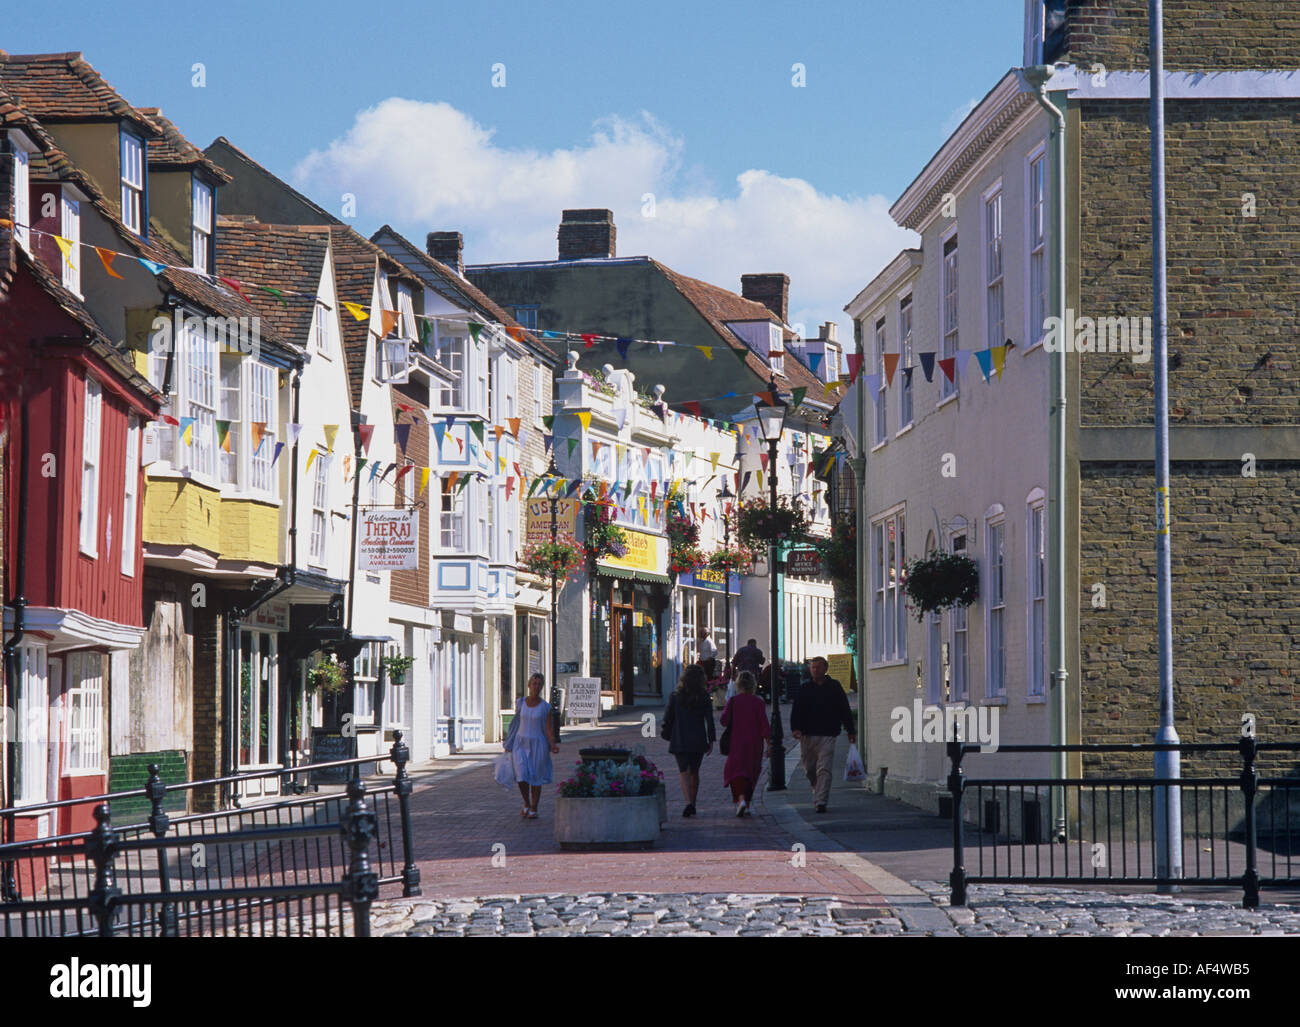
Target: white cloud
[
  {"x": 426, "y": 166},
  {"x": 959, "y": 114}
]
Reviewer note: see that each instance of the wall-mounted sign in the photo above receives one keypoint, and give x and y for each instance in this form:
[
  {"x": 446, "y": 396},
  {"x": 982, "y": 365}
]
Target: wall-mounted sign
[
  {"x": 709, "y": 579},
  {"x": 538, "y": 527},
  {"x": 388, "y": 540},
  {"x": 804, "y": 563},
  {"x": 645, "y": 552},
  {"x": 272, "y": 616}
]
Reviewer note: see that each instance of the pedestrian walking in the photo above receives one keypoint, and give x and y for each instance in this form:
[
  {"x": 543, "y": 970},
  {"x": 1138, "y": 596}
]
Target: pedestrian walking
[
  {"x": 707, "y": 653},
  {"x": 749, "y": 657},
  {"x": 815, "y": 720},
  {"x": 688, "y": 727},
  {"x": 531, "y": 744},
  {"x": 749, "y": 742}
]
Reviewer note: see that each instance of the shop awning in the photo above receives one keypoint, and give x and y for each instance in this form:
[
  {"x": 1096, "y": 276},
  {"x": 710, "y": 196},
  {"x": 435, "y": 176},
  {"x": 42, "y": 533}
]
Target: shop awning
[{"x": 629, "y": 575}]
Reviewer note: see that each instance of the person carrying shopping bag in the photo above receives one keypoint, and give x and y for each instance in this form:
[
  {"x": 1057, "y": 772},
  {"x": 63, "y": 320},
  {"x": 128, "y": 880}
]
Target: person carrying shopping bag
[
  {"x": 531, "y": 746},
  {"x": 688, "y": 727},
  {"x": 747, "y": 743}
]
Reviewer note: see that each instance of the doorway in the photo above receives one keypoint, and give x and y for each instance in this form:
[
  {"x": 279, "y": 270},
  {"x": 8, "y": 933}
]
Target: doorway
[{"x": 622, "y": 654}]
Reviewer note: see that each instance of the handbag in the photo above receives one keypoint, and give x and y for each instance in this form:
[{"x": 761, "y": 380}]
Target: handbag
[
  {"x": 509, "y": 742},
  {"x": 724, "y": 743}
]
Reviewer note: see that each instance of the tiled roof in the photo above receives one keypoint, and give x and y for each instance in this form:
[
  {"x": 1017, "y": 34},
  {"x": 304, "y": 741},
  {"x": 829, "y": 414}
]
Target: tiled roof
[
  {"x": 284, "y": 257},
  {"x": 64, "y": 87},
  {"x": 718, "y": 306},
  {"x": 476, "y": 296},
  {"x": 174, "y": 152}
]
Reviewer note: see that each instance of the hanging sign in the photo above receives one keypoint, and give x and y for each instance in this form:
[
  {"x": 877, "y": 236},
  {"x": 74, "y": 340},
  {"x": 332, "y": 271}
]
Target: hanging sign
[
  {"x": 804, "y": 563},
  {"x": 389, "y": 540}
]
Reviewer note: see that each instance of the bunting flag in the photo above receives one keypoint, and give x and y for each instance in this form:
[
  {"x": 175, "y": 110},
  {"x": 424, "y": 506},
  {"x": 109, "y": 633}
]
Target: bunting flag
[
  {"x": 235, "y": 285},
  {"x": 187, "y": 430},
  {"x": 515, "y": 332},
  {"x": 907, "y": 376},
  {"x": 871, "y": 383},
  {"x": 424, "y": 482},
  {"x": 763, "y": 457},
  {"x": 760, "y": 481},
  {"x": 796, "y": 397},
  {"x": 588, "y": 338},
  {"x": 477, "y": 428},
  {"x": 891, "y": 363},
  {"x": 223, "y": 435},
  {"x": 356, "y": 310},
  {"x": 814, "y": 359},
  {"x": 962, "y": 357},
  {"x": 331, "y": 430},
  {"x": 311, "y": 456},
  {"x": 855, "y": 365},
  {"x": 403, "y": 471},
  {"x": 547, "y": 442},
  {"x": 459, "y": 443},
  {"x": 277, "y": 293},
  {"x": 474, "y": 328},
  {"x": 374, "y": 469},
  {"x": 347, "y": 467},
  {"x": 402, "y": 433},
  {"x": 278, "y": 447},
  {"x": 65, "y": 247},
  {"x": 693, "y": 406},
  {"x": 573, "y": 444},
  {"x": 548, "y": 421},
  {"x": 741, "y": 354},
  {"x": 451, "y": 480},
  {"x": 707, "y": 351},
  {"x": 622, "y": 343},
  {"x": 766, "y": 398},
  {"x": 949, "y": 367},
  {"x": 294, "y": 431},
  {"x": 927, "y": 366},
  {"x": 168, "y": 419},
  {"x": 999, "y": 359},
  {"x": 498, "y": 430},
  {"x": 387, "y": 320},
  {"x": 713, "y": 458},
  {"x": 463, "y": 483},
  {"x": 426, "y": 329},
  {"x": 828, "y": 388},
  {"x": 257, "y": 430},
  {"x": 584, "y": 419},
  {"x": 106, "y": 257},
  {"x": 985, "y": 361},
  {"x": 361, "y": 465},
  {"x": 514, "y": 423},
  {"x": 510, "y": 487}
]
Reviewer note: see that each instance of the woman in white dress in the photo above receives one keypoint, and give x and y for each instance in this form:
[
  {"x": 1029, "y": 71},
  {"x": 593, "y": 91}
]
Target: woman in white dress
[{"x": 532, "y": 747}]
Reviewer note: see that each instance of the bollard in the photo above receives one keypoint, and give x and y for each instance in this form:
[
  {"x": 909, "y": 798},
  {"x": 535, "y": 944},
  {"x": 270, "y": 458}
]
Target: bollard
[
  {"x": 1248, "y": 746},
  {"x": 101, "y": 847},
  {"x": 360, "y": 885},
  {"x": 158, "y": 824},
  {"x": 956, "y": 785},
  {"x": 403, "y": 785}
]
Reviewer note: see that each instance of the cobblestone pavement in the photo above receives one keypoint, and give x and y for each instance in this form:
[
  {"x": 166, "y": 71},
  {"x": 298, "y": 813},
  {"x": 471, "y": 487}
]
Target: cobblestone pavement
[{"x": 994, "y": 911}]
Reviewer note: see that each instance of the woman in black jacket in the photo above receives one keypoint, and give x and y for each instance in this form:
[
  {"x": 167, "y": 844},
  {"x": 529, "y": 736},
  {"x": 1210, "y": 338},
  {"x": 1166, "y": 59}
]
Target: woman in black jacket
[{"x": 688, "y": 726}]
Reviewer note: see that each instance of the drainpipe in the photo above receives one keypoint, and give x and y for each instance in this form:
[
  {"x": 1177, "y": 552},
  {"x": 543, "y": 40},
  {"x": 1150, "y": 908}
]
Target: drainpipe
[
  {"x": 1038, "y": 77},
  {"x": 9, "y": 886},
  {"x": 860, "y": 650}
]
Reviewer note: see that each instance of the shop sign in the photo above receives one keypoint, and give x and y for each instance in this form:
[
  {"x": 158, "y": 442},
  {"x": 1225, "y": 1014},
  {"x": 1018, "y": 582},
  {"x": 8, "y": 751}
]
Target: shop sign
[
  {"x": 645, "y": 552},
  {"x": 389, "y": 540},
  {"x": 272, "y": 616},
  {"x": 538, "y": 525},
  {"x": 711, "y": 580},
  {"x": 582, "y": 698},
  {"x": 804, "y": 563}
]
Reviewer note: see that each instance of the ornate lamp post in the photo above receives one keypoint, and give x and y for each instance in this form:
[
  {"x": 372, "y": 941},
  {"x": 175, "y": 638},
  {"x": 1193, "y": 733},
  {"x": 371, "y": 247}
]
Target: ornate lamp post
[
  {"x": 723, "y": 498},
  {"x": 771, "y": 419},
  {"x": 554, "y": 473}
]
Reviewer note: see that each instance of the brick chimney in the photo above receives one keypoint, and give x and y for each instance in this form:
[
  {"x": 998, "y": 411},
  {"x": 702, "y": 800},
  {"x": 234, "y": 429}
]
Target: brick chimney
[
  {"x": 446, "y": 247},
  {"x": 587, "y": 233},
  {"x": 771, "y": 290}
]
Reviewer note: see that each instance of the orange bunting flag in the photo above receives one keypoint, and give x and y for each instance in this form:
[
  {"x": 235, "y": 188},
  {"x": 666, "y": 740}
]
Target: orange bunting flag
[
  {"x": 451, "y": 480},
  {"x": 257, "y": 429},
  {"x": 65, "y": 247},
  {"x": 515, "y": 332},
  {"x": 106, "y": 258},
  {"x": 387, "y": 320},
  {"x": 347, "y": 467},
  {"x": 891, "y": 365},
  {"x": 498, "y": 430},
  {"x": 514, "y": 425}
]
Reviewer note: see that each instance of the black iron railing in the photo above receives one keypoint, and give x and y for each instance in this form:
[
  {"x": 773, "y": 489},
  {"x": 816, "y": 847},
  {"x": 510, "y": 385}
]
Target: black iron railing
[
  {"x": 1005, "y": 830},
  {"x": 303, "y": 866}
]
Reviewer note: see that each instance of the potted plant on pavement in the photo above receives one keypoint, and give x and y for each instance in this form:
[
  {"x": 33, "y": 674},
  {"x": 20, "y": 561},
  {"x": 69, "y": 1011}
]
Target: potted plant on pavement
[{"x": 609, "y": 804}]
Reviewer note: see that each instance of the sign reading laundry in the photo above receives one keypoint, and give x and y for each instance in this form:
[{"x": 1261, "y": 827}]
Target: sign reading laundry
[{"x": 389, "y": 540}]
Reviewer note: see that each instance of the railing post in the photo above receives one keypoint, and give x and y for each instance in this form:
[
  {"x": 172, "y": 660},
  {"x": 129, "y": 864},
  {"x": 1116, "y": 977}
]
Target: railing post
[
  {"x": 1248, "y": 746},
  {"x": 158, "y": 824},
  {"x": 403, "y": 785},
  {"x": 360, "y": 885},
  {"x": 956, "y": 786},
  {"x": 101, "y": 847}
]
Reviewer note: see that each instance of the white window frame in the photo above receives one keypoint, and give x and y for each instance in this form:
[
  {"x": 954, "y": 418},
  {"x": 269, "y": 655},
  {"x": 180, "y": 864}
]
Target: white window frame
[
  {"x": 230, "y": 407},
  {"x": 995, "y": 609},
  {"x": 201, "y": 207},
  {"x": 22, "y": 195},
  {"x": 134, "y": 215},
  {"x": 538, "y": 410},
  {"x": 261, "y": 403},
  {"x": 888, "y": 606},
  {"x": 365, "y": 676},
  {"x": 959, "y": 627},
  {"x": 1036, "y": 596},
  {"x": 454, "y": 354},
  {"x": 83, "y": 731},
  {"x": 70, "y": 229},
  {"x": 92, "y": 426},
  {"x": 32, "y": 714},
  {"x": 905, "y": 321},
  {"x": 130, "y": 495},
  {"x": 1037, "y": 263},
  {"x": 949, "y": 309},
  {"x": 318, "y": 544},
  {"x": 320, "y": 329},
  {"x": 878, "y": 362},
  {"x": 270, "y": 755},
  {"x": 451, "y": 518},
  {"x": 196, "y": 356},
  {"x": 995, "y": 293}
]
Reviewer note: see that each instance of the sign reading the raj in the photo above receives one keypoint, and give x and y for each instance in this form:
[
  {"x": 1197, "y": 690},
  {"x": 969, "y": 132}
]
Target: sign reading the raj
[
  {"x": 389, "y": 540},
  {"x": 582, "y": 698},
  {"x": 539, "y": 519},
  {"x": 804, "y": 563},
  {"x": 644, "y": 553}
]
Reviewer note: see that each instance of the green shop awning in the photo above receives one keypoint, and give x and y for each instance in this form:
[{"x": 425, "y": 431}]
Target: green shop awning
[{"x": 629, "y": 575}]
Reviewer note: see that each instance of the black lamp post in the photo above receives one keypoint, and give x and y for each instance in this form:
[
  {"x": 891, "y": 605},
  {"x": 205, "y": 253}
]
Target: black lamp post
[
  {"x": 771, "y": 419},
  {"x": 723, "y": 497},
  {"x": 554, "y": 473}
]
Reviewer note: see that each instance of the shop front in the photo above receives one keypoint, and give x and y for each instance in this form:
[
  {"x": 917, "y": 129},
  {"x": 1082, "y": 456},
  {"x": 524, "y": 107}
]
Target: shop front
[
  {"x": 703, "y": 599},
  {"x": 629, "y": 598}
]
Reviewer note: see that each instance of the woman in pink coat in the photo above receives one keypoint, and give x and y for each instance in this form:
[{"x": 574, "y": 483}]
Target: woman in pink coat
[{"x": 747, "y": 717}]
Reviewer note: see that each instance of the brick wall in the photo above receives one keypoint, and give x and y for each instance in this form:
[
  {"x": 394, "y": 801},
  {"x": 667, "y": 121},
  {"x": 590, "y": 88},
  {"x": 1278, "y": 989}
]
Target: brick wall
[
  {"x": 1235, "y": 546},
  {"x": 1220, "y": 34},
  {"x": 206, "y": 761},
  {"x": 1231, "y": 278}
]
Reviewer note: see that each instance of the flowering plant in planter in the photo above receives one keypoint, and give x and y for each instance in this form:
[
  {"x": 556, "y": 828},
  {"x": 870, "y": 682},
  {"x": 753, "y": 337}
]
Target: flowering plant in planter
[
  {"x": 758, "y": 523},
  {"x": 684, "y": 553},
  {"x": 326, "y": 675},
  {"x": 609, "y": 779},
  {"x": 564, "y": 557},
  {"x": 604, "y": 537},
  {"x": 396, "y": 666},
  {"x": 941, "y": 581},
  {"x": 735, "y": 558}
]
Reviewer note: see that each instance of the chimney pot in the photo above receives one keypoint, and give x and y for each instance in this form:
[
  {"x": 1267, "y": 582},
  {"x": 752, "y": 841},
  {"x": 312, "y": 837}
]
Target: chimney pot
[
  {"x": 448, "y": 248},
  {"x": 587, "y": 233},
  {"x": 771, "y": 290}
]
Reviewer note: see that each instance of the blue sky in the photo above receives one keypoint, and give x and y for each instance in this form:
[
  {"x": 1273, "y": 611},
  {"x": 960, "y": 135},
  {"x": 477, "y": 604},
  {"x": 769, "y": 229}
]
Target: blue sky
[{"x": 603, "y": 103}]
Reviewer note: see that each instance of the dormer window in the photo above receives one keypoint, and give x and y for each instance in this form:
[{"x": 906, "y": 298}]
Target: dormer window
[
  {"x": 201, "y": 227},
  {"x": 70, "y": 229},
  {"x": 320, "y": 329},
  {"x": 133, "y": 210},
  {"x": 775, "y": 354},
  {"x": 22, "y": 199}
]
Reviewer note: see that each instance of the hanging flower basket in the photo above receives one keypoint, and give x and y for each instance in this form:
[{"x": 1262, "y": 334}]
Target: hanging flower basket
[
  {"x": 396, "y": 667},
  {"x": 941, "y": 581},
  {"x": 604, "y": 537},
  {"x": 736, "y": 559},
  {"x": 759, "y": 524},
  {"x": 684, "y": 553},
  {"x": 563, "y": 557},
  {"x": 327, "y": 676}
]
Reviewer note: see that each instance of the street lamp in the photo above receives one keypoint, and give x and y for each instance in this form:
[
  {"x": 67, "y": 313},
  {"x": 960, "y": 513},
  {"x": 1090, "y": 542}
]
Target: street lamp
[
  {"x": 723, "y": 497},
  {"x": 554, "y": 473},
  {"x": 771, "y": 420}
]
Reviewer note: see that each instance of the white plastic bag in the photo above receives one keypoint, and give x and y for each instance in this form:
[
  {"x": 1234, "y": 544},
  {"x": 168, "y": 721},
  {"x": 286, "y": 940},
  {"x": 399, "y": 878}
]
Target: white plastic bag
[
  {"x": 504, "y": 770},
  {"x": 853, "y": 769}
]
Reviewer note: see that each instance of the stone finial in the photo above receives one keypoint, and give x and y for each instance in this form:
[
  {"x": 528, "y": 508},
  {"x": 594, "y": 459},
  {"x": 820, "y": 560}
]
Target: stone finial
[
  {"x": 573, "y": 360},
  {"x": 609, "y": 371},
  {"x": 658, "y": 391}
]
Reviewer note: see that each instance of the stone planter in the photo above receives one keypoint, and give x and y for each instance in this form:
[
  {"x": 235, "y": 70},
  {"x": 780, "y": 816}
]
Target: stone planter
[{"x": 631, "y": 823}]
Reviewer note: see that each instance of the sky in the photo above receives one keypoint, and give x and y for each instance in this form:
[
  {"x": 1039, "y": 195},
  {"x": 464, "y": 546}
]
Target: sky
[{"x": 727, "y": 137}]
